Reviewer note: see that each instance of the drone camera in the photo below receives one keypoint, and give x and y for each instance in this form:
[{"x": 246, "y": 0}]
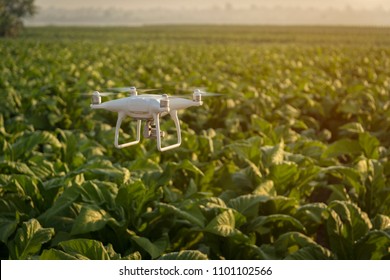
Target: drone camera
[
  {"x": 96, "y": 98},
  {"x": 150, "y": 131}
]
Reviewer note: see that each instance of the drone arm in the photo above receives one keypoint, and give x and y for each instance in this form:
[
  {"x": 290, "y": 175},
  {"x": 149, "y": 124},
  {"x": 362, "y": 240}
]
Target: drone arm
[
  {"x": 118, "y": 125},
  {"x": 173, "y": 114}
]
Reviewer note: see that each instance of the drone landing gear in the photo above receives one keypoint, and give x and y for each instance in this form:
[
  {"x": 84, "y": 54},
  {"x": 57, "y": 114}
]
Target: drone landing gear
[
  {"x": 118, "y": 125},
  {"x": 173, "y": 114},
  {"x": 150, "y": 131}
]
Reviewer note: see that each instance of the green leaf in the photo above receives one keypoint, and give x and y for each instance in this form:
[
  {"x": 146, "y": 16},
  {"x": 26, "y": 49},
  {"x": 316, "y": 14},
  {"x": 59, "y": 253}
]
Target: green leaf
[
  {"x": 342, "y": 147},
  {"x": 273, "y": 155},
  {"x": 357, "y": 221},
  {"x": 133, "y": 256},
  {"x": 54, "y": 254},
  {"x": 353, "y": 127},
  {"x": 373, "y": 246},
  {"x": 85, "y": 249},
  {"x": 103, "y": 170},
  {"x": 312, "y": 215},
  {"x": 61, "y": 214},
  {"x": 155, "y": 249},
  {"x": 350, "y": 175},
  {"x": 370, "y": 145},
  {"x": 224, "y": 225},
  {"x": 193, "y": 215},
  {"x": 381, "y": 222},
  {"x": 29, "y": 239},
  {"x": 91, "y": 218},
  {"x": 247, "y": 204},
  {"x": 28, "y": 142},
  {"x": 284, "y": 174},
  {"x": 266, "y": 188},
  {"x": 188, "y": 165},
  {"x": 10, "y": 167},
  {"x": 184, "y": 255},
  {"x": 346, "y": 224},
  {"x": 278, "y": 204},
  {"x": 7, "y": 228},
  {"x": 295, "y": 245},
  {"x": 275, "y": 223}
]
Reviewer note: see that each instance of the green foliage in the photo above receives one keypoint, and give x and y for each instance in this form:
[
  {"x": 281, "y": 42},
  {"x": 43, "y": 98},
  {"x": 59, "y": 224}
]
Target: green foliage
[{"x": 292, "y": 163}]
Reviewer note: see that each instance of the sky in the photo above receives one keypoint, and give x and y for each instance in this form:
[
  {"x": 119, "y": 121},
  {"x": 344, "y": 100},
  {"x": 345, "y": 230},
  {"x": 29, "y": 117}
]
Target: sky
[{"x": 177, "y": 4}]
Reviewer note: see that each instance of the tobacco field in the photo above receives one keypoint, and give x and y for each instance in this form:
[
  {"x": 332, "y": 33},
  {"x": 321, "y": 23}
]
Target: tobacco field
[{"x": 290, "y": 162}]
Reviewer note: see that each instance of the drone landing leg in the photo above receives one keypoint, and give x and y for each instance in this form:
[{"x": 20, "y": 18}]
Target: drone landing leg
[
  {"x": 173, "y": 114},
  {"x": 118, "y": 125}
]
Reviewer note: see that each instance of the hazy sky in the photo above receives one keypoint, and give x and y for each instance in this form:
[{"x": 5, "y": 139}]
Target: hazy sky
[{"x": 172, "y": 4}]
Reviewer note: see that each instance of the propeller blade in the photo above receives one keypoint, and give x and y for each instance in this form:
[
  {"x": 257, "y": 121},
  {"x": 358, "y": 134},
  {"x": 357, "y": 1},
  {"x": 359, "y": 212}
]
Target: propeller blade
[
  {"x": 200, "y": 91},
  {"x": 100, "y": 93},
  {"x": 191, "y": 89},
  {"x": 127, "y": 89},
  {"x": 206, "y": 93}
]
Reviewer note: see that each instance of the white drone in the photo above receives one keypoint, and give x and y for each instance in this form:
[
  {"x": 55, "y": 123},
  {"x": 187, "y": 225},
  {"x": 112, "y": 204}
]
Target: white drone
[{"x": 149, "y": 108}]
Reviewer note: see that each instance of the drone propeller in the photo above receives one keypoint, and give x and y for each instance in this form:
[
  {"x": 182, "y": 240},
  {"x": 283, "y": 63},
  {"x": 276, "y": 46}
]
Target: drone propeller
[
  {"x": 129, "y": 89},
  {"x": 198, "y": 91},
  {"x": 100, "y": 93}
]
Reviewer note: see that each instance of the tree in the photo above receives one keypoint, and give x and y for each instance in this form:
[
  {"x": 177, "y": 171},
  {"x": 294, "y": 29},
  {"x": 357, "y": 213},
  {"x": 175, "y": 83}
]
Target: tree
[{"x": 11, "y": 14}]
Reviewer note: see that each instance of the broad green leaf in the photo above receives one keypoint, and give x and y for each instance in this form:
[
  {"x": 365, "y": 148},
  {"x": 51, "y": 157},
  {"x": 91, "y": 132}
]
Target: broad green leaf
[
  {"x": 278, "y": 204},
  {"x": 370, "y": 145},
  {"x": 284, "y": 174},
  {"x": 99, "y": 193},
  {"x": 27, "y": 143},
  {"x": 310, "y": 253},
  {"x": 54, "y": 254},
  {"x": 345, "y": 226},
  {"x": 357, "y": 222},
  {"x": 312, "y": 215},
  {"x": 350, "y": 175},
  {"x": 91, "y": 218},
  {"x": 213, "y": 202},
  {"x": 29, "y": 239},
  {"x": 184, "y": 255},
  {"x": 188, "y": 165},
  {"x": 85, "y": 249},
  {"x": 373, "y": 246},
  {"x": 247, "y": 204},
  {"x": 103, "y": 170},
  {"x": 7, "y": 228},
  {"x": 134, "y": 198},
  {"x": 133, "y": 256},
  {"x": 353, "y": 127},
  {"x": 266, "y": 188},
  {"x": 154, "y": 249},
  {"x": 248, "y": 149},
  {"x": 275, "y": 223},
  {"x": 61, "y": 214},
  {"x": 381, "y": 222},
  {"x": 337, "y": 232},
  {"x": 224, "y": 225},
  {"x": 193, "y": 215},
  {"x": 273, "y": 155},
  {"x": 342, "y": 147},
  {"x": 295, "y": 245},
  {"x": 10, "y": 167}
]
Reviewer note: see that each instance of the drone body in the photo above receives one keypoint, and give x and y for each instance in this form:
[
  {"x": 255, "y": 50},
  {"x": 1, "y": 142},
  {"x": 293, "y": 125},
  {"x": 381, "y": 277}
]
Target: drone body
[{"x": 149, "y": 108}]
